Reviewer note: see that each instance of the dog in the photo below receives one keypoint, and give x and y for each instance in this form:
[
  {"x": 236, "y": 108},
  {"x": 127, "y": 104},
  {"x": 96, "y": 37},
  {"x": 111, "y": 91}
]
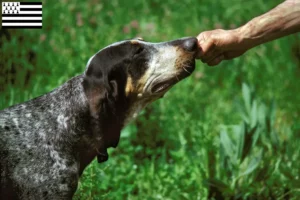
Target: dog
[{"x": 46, "y": 143}]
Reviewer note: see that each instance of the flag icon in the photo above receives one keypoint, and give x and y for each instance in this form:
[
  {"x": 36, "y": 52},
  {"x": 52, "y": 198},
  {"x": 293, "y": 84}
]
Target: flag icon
[{"x": 21, "y": 14}]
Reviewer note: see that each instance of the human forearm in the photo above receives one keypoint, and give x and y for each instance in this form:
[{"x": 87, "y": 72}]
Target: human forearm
[
  {"x": 217, "y": 45},
  {"x": 281, "y": 21}
]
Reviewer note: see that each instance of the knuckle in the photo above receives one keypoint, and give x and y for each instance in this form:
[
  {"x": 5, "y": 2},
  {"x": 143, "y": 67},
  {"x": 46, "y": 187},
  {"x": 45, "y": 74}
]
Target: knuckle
[{"x": 204, "y": 60}]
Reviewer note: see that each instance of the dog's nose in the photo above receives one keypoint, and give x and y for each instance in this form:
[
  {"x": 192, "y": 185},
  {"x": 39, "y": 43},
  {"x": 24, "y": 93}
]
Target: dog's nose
[{"x": 190, "y": 44}]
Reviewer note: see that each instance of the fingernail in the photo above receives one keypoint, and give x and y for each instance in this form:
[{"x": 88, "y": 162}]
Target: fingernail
[{"x": 201, "y": 41}]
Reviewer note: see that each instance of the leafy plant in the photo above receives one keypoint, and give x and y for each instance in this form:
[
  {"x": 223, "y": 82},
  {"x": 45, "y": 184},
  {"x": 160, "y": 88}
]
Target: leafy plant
[{"x": 246, "y": 152}]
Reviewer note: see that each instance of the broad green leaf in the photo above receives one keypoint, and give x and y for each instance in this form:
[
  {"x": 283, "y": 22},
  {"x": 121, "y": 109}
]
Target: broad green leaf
[
  {"x": 240, "y": 140},
  {"x": 227, "y": 143},
  {"x": 255, "y": 135},
  {"x": 252, "y": 165},
  {"x": 262, "y": 114},
  {"x": 253, "y": 114},
  {"x": 247, "y": 97}
]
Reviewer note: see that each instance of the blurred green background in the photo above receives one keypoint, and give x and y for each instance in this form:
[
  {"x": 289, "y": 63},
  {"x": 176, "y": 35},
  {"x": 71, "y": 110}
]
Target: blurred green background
[{"x": 228, "y": 132}]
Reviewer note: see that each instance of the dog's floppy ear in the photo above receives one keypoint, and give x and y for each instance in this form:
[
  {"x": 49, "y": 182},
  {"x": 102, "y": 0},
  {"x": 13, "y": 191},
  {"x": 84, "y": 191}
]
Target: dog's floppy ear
[
  {"x": 104, "y": 85},
  {"x": 100, "y": 85}
]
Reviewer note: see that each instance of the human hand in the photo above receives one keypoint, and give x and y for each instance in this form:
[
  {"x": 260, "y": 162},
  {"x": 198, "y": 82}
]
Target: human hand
[{"x": 218, "y": 45}]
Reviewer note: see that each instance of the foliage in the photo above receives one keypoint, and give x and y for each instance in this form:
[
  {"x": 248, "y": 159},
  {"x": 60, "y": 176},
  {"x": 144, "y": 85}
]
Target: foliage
[{"x": 212, "y": 136}]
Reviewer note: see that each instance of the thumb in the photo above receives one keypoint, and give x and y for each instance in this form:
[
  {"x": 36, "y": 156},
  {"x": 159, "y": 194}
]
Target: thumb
[
  {"x": 205, "y": 46},
  {"x": 201, "y": 38}
]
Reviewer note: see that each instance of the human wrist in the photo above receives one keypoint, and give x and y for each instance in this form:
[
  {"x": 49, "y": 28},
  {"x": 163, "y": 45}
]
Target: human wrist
[
  {"x": 244, "y": 37},
  {"x": 280, "y": 21}
]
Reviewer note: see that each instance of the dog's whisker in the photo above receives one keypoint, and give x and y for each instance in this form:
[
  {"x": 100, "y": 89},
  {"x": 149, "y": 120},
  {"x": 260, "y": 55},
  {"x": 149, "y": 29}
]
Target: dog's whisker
[
  {"x": 185, "y": 70},
  {"x": 177, "y": 77}
]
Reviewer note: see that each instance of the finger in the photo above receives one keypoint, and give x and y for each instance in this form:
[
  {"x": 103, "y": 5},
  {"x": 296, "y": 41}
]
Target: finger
[
  {"x": 205, "y": 46},
  {"x": 211, "y": 55},
  {"x": 216, "y": 61},
  {"x": 201, "y": 38}
]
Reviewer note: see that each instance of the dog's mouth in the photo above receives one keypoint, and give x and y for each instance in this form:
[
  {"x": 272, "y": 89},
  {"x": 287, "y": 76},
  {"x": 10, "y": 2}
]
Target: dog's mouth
[
  {"x": 163, "y": 86},
  {"x": 160, "y": 86}
]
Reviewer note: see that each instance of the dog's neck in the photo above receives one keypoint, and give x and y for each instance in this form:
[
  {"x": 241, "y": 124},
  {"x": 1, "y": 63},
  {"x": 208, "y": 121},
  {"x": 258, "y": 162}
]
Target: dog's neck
[
  {"x": 71, "y": 108},
  {"x": 76, "y": 128}
]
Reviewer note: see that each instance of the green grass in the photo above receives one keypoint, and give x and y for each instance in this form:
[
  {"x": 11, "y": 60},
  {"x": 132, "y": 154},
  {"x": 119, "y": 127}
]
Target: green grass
[{"x": 231, "y": 131}]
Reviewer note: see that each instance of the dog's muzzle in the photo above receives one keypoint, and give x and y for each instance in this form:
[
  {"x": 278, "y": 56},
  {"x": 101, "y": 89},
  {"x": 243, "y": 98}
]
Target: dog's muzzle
[{"x": 188, "y": 48}]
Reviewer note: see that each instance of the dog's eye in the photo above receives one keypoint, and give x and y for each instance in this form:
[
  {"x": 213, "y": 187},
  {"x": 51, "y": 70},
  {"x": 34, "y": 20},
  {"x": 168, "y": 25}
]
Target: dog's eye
[{"x": 139, "y": 50}]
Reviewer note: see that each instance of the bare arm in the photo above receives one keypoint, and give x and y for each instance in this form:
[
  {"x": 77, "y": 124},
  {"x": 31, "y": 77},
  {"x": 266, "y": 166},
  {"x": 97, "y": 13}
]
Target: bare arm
[
  {"x": 281, "y": 21},
  {"x": 217, "y": 45}
]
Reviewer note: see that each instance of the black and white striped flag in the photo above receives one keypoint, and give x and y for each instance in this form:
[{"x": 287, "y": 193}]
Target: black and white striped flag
[{"x": 21, "y": 14}]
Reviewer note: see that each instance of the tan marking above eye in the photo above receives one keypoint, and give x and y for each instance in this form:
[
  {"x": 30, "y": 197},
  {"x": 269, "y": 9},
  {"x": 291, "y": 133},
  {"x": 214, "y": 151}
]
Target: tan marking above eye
[
  {"x": 134, "y": 42},
  {"x": 129, "y": 87}
]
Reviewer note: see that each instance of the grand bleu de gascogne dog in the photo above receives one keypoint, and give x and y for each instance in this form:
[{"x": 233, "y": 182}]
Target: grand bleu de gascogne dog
[{"x": 46, "y": 143}]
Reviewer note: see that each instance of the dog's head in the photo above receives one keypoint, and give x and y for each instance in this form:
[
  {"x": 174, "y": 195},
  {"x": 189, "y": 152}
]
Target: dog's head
[{"x": 125, "y": 76}]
